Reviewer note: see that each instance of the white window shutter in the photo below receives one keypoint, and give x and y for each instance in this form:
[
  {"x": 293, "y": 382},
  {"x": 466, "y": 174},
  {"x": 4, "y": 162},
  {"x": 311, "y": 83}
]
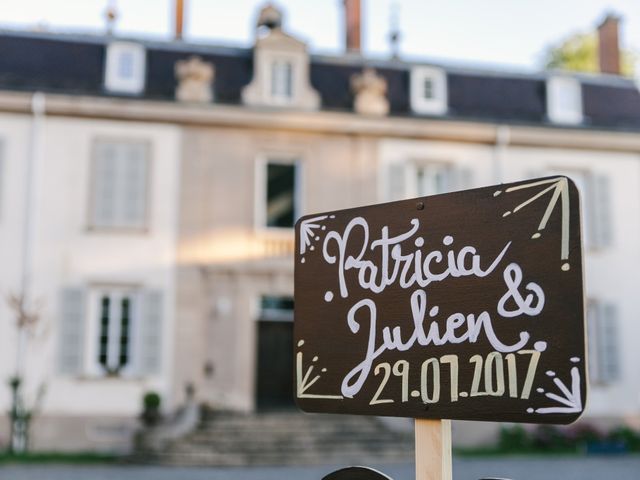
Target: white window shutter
[
  {"x": 151, "y": 325},
  {"x": 609, "y": 345},
  {"x": 120, "y": 184},
  {"x": 105, "y": 177},
  {"x": 593, "y": 335},
  {"x": 396, "y": 181},
  {"x": 602, "y": 211},
  {"x": 133, "y": 184},
  {"x": 71, "y": 330}
]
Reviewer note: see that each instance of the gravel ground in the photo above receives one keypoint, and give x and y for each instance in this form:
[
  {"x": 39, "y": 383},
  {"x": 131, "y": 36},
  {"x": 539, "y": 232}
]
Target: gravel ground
[{"x": 515, "y": 468}]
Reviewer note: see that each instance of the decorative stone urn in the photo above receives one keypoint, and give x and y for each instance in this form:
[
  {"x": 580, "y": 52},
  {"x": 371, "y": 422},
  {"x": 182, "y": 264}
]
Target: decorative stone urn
[
  {"x": 370, "y": 90},
  {"x": 195, "y": 80}
]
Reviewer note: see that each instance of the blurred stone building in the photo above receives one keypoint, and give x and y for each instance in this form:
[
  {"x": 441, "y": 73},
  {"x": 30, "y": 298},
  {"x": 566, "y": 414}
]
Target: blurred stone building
[{"x": 148, "y": 192}]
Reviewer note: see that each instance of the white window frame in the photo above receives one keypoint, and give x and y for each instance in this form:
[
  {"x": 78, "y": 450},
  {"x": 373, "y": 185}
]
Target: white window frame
[
  {"x": 278, "y": 83},
  {"x": 91, "y": 220},
  {"x": 260, "y": 189},
  {"x": 558, "y": 88},
  {"x": 92, "y": 346},
  {"x": 268, "y": 61},
  {"x": 437, "y": 105},
  {"x": 113, "y": 80}
]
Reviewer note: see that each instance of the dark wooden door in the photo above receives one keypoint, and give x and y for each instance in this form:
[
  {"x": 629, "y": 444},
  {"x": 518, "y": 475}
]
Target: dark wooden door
[{"x": 275, "y": 364}]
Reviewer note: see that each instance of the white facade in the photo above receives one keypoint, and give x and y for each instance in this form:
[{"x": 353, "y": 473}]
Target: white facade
[
  {"x": 212, "y": 176},
  {"x": 64, "y": 252},
  {"x": 611, "y": 264}
]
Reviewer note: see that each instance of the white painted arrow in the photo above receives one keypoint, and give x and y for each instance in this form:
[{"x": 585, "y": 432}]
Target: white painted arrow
[
  {"x": 560, "y": 188},
  {"x": 307, "y": 231},
  {"x": 571, "y": 400}
]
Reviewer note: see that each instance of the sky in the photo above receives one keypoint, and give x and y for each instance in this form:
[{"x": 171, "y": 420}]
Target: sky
[{"x": 512, "y": 33}]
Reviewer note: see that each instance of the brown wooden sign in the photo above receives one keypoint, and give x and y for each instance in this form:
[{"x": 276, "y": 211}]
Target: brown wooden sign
[{"x": 466, "y": 305}]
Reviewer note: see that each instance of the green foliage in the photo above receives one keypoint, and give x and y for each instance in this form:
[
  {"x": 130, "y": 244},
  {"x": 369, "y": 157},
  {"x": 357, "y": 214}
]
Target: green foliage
[
  {"x": 579, "y": 53},
  {"x": 630, "y": 438},
  {"x": 151, "y": 400},
  {"x": 514, "y": 438},
  {"x": 549, "y": 439},
  {"x": 57, "y": 457},
  {"x": 150, "y": 415}
]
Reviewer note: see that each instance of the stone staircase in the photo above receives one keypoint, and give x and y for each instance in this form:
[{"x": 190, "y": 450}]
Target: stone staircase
[{"x": 286, "y": 438}]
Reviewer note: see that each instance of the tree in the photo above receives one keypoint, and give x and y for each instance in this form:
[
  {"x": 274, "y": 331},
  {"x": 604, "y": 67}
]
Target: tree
[
  {"x": 579, "y": 53},
  {"x": 28, "y": 319}
]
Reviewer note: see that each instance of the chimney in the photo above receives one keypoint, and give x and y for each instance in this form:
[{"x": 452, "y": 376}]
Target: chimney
[
  {"x": 179, "y": 19},
  {"x": 609, "y": 45},
  {"x": 352, "y": 25}
]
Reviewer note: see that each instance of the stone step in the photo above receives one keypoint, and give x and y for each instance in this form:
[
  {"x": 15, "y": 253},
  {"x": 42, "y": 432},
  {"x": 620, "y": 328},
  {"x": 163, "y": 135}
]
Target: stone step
[
  {"x": 288, "y": 422},
  {"x": 326, "y": 431},
  {"x": 285, "y": 438},
  {"x": 291, "y": 447},
  {"x": 308, "y": 458},
  {"x": 281, "y": 432}
]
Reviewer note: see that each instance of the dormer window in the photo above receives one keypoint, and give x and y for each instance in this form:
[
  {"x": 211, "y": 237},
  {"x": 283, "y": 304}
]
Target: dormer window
[
  {"x": 564, "y": 100},
  {"x": 125, "y": 68},
  {"x": 282, "y": 80},
  {"x": 280, "y": 67},
  {"x": 428, "y": 91}
]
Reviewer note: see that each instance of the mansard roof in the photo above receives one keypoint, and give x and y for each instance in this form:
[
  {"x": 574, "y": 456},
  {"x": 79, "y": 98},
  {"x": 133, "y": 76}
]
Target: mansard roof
[{"x": 74, "y": 64}]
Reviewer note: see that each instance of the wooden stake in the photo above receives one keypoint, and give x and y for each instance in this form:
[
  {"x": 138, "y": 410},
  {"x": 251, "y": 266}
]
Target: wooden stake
[{"x": 433, "y": 449}]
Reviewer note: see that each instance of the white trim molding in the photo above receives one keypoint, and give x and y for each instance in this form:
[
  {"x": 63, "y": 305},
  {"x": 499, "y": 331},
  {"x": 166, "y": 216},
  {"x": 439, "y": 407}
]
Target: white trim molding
[
  {"x": 125, "y": 68},
  {"x": 564, "y": 100},
  {"x": 429, "y": 93}
]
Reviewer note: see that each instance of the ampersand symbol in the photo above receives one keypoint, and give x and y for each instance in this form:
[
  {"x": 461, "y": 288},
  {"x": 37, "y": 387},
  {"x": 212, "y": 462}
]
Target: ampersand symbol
[{"x": 530, "y": 305}]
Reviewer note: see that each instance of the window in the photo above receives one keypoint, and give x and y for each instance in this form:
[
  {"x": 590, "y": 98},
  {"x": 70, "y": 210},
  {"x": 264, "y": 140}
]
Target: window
[
  {"x": 276, "y": 308},
  {"x": 281, "y": 76},
  {"x": 126, "y": 64},
  {"x": 603, "y": 337},
  {"x": 282, "y": 80},
  {"x": 125, "y": 68},
  {"x": 419, "y": 179},
  {"x": 119, "y": 187},
  {"x": 281, "y": 194},
  {"x": 595, "y": 200},
  {"x": 117, "y": 312},
  {"x": 110, "y": 330},
  {"x": 428, "y": 93},
  {"x": 433, "y": 179},
  {"x": 564, "y": 100},
  {"x": 428, "y": 90}
]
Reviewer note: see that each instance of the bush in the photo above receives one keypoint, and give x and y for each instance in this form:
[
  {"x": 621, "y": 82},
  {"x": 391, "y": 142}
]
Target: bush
[
  {"x": 151, "y": 400},
  {"x": 629, "y": 437},
  {"x": 550, "y": 438},
  {"x": 514, "y": 438},
  {"x": 151, "y": 409},
  {"x": 583, "y": 434}
]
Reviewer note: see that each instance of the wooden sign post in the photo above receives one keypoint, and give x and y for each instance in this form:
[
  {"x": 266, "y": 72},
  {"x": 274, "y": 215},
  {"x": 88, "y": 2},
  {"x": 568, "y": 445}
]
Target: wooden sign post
[
  {"x": 433, "y": 449},
  {"x": 466, "y": 305}
]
